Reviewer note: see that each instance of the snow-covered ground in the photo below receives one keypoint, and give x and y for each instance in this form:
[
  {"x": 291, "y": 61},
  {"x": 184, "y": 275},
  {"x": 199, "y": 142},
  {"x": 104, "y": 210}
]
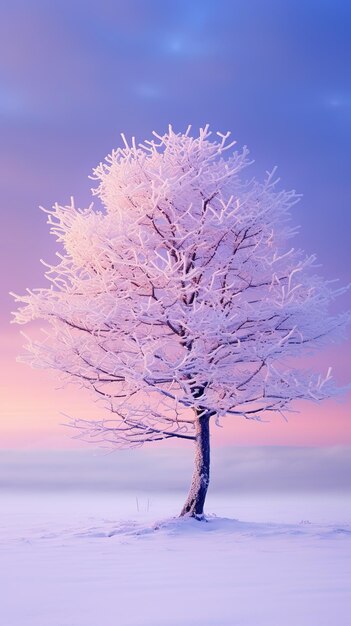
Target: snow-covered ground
[{"x": 89, "y": 559}]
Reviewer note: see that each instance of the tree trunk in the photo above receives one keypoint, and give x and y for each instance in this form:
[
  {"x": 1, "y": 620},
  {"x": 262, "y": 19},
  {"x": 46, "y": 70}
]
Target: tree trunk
[{"x": 194, "y": 505}]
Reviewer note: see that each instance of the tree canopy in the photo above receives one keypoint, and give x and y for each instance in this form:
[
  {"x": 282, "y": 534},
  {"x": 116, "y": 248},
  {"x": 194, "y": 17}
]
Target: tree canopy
[{"x": 182, "y": 295}]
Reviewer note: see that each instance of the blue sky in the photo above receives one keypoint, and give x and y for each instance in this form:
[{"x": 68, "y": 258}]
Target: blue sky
[{"x": 75, "y": 75}]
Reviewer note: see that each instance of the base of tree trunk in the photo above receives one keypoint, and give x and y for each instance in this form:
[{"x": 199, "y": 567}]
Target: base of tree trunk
[
  {"x": 199, "y": 517},
  {"x": 194, "y": 505}
]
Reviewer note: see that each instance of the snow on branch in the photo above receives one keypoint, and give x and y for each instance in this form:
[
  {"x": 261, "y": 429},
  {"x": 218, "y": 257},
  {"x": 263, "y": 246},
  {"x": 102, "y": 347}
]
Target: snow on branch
[{"x": 182, "y": 295}]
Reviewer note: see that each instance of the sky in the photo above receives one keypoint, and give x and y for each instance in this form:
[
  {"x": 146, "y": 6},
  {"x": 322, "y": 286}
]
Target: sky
[
  {"x": 74, "y": 75},
  {"x": 254, "y": 469}
]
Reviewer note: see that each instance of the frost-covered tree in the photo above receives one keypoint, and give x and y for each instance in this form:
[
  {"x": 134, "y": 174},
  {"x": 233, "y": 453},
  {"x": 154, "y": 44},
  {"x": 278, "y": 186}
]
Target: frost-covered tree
[{"x": 181, "y": 302}]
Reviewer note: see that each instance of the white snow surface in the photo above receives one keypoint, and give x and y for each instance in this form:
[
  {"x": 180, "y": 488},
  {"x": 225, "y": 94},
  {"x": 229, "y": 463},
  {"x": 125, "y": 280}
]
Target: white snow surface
[{"x": 119, "y": 559}]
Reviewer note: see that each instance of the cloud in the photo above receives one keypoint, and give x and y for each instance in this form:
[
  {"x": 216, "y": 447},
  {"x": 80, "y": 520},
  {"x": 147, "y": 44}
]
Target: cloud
[{"x": 236, "y": 470}]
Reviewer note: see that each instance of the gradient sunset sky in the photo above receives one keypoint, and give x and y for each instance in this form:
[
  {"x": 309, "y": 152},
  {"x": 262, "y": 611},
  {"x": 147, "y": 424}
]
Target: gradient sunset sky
[{"x": 74, "y": 75}]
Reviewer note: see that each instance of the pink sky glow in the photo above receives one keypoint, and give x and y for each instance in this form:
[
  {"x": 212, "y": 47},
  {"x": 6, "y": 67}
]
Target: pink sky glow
[{"x": 33, "y": 402}]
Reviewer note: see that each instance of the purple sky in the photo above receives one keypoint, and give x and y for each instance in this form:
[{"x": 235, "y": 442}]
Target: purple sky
[{"x": 76, "y": 74}]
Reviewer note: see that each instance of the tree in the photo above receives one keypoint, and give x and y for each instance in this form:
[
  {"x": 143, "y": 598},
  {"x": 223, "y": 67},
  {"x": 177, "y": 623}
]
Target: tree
[{"x": 180, "y": 302}]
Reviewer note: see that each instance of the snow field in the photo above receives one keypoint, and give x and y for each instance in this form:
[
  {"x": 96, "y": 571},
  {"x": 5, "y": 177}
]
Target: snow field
[{"x": 102, "y": 560}]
